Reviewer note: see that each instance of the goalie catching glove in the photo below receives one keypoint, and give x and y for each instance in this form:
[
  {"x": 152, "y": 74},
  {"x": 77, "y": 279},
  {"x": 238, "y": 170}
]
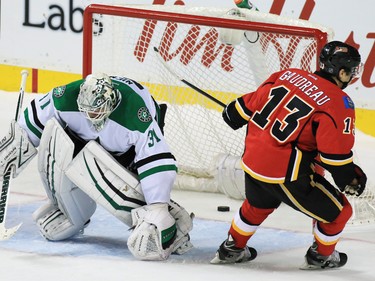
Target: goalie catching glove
[
  {"x": 15, "y": 150},
  {"x": 159, "y": 230},
  {"x": 154, "y": 232}
]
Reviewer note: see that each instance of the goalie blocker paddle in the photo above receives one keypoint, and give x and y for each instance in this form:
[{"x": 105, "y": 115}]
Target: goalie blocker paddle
[
  {"x": 5, "y": 181},
  {"x": 207, "y": 95}
]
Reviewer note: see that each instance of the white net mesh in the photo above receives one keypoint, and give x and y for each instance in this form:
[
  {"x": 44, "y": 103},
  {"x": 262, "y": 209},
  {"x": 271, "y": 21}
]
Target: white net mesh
[
  {"x": 194, "y": 127},
  {"x": 223, "y": 62}
]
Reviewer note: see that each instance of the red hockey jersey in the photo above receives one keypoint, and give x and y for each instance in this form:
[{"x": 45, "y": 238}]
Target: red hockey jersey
[{"x": 293, "y": 117}]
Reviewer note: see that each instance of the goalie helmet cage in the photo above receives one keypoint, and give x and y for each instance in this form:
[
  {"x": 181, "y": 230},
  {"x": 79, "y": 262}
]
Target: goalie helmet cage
[{"x": 225, "y": 53}]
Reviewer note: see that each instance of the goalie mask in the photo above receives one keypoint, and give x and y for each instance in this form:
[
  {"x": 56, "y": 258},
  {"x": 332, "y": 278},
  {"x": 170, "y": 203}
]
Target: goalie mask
[
  {"x": 97, "y": 99},
  {"x": 337, "y": 55}
]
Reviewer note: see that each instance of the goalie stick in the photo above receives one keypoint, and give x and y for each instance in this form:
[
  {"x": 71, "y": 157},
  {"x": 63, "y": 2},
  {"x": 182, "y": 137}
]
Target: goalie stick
[
  {"x": 207, "y": 95},
  {"x": 5, "y": 181}
]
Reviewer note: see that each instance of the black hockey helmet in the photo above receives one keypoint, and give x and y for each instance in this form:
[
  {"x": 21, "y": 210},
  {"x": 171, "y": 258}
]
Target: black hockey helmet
[{"x": 337, "y": 55}]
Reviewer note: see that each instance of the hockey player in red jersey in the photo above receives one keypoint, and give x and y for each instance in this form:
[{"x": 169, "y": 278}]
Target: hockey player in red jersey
[{"x": 295, "y": 119}]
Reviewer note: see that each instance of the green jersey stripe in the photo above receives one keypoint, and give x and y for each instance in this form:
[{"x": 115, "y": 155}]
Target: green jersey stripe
[
  {"x": 157, "y": 170},
  {"x": 30, "y": 126}
]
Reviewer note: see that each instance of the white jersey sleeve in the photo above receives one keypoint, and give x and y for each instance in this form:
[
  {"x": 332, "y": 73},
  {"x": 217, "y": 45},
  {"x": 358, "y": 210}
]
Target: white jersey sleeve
[{"x": 36, "y": 115}]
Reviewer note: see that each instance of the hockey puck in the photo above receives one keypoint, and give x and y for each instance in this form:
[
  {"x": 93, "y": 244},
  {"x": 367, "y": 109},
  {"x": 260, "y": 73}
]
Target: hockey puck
[{"x": 223, "y": 208}]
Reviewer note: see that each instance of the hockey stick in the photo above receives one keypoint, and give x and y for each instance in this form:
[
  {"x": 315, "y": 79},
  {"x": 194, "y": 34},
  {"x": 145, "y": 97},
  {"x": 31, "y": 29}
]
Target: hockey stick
[
  {"x": 5, "y": 181},
  {"x": 207, "y": 95}
]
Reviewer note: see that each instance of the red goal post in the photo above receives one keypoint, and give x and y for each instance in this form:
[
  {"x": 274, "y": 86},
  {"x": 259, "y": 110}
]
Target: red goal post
[
  {"x": 123, "y": 11},
  {"x": 223, "y": 52}
]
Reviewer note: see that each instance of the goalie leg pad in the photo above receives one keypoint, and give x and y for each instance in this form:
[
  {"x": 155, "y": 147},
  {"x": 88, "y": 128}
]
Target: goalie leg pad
[
  {"x": 16, "y": 150},
  {"x": 69, "y": 208},
  {"x": 108, "y": 183},
  {"x": 53, "y": 224},
  {"x": 154, "y": 232}
]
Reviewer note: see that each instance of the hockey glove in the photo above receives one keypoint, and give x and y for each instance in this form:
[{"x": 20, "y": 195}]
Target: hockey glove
[
  {"x": 357, "y": 186},
  {"x": 232, "y": 117},
  {"x": 154, "y": 232}
]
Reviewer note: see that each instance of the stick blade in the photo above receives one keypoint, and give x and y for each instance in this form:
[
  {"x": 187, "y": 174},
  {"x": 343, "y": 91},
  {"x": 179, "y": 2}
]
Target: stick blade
[
  {"x": 6, "y": 234},
  {"x": 217, "y": 260}
]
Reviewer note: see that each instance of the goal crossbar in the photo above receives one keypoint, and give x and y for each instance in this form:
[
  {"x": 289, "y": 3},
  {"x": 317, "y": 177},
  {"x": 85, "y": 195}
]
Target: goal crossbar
[{"x": 92, "y": 9}]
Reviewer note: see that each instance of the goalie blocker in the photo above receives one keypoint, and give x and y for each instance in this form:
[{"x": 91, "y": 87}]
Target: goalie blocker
[
  {"x": 102, "y": 180},
  {"x": 16, "y": 152}
]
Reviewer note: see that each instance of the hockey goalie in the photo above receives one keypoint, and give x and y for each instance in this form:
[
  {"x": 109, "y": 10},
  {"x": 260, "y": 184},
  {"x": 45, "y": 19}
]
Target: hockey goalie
[{"x": 100, "y": 141}]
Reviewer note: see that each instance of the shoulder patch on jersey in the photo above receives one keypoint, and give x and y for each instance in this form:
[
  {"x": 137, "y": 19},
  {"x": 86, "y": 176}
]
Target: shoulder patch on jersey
[
  {"x": 348, "y": 102},
  {"x": 144, "y": 115},
  {"x": 59, "y": 91}
]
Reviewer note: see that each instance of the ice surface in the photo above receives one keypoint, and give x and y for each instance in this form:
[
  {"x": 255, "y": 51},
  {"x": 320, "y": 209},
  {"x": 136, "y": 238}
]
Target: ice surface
[{"x": 100, "y": 253}]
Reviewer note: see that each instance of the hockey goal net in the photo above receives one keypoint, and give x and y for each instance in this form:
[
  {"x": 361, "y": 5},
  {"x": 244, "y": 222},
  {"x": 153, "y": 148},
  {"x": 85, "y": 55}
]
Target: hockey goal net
[{"x": 222, "y": 52}]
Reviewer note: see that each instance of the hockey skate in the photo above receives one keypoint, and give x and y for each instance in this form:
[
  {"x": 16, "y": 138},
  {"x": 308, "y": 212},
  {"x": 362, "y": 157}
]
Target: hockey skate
[
  {"x": 228, "y": 253},
  {"x": 313, "y": 260}
]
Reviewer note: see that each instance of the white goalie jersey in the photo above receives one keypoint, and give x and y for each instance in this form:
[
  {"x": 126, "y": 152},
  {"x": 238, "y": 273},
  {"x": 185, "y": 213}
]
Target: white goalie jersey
[
  {"x": 80, "y": 128},
  {"x": 132, "y": 124}
]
